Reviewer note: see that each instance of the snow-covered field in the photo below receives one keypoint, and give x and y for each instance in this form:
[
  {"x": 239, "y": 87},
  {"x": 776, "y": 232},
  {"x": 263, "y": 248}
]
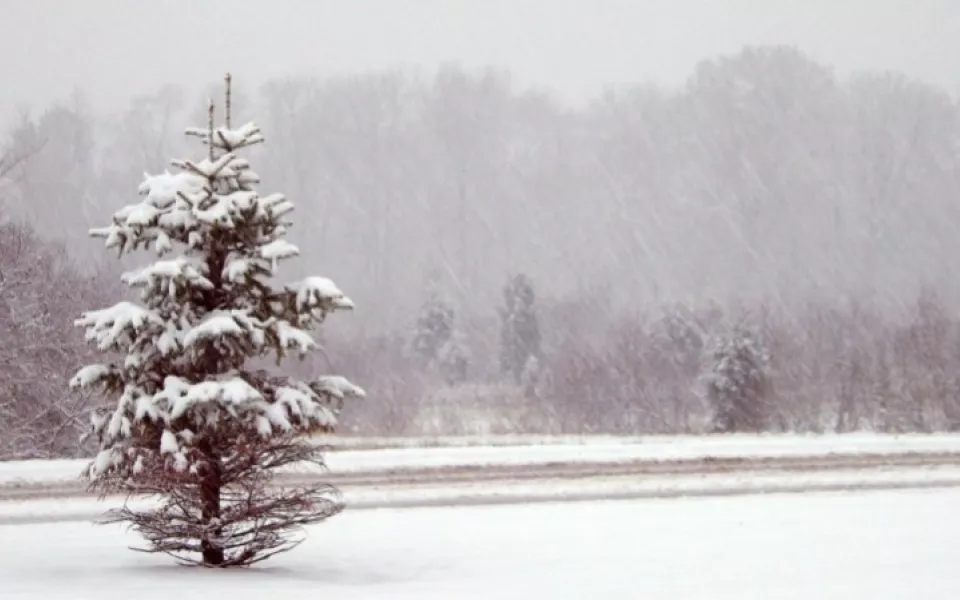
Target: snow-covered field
[
  {"x": 720, "y": 542},
  {"x": 878, "y": 545},
  {"x": 569, "y": 450}
]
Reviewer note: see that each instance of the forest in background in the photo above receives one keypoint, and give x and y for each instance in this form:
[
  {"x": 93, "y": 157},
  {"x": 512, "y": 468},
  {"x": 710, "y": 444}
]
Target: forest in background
[{"x": 766, "y": 199}]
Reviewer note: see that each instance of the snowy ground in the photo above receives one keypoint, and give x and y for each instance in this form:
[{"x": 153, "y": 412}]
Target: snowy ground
[
  {"x": 569, "y": 450},
  {"x": 877, "y": 545},
  {"x": 598, "y": 487},
  {"x": 854, "y": 439}
]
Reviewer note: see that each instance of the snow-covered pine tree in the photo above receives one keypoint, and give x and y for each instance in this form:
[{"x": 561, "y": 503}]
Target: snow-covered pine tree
[
  {"x": 519, "y": 328},
  {"x": 737, "y": 384},
  {"x": 433, "y": 328},
  {"x": 453, "y": 359},
  {"x": 191, "y": 421},
  {"x": 436, "y": 342}
]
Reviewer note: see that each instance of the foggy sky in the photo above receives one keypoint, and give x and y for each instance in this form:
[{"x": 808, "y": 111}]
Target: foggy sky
[{"x": 113, "y": 49}]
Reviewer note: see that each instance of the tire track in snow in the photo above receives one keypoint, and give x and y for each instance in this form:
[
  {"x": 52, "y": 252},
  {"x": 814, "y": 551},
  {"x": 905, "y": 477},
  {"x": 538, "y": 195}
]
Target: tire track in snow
[
  {"x": 475, "y": 485},
  {"x": 492, "y": 473},
  {"x": 594, "y": 489}
]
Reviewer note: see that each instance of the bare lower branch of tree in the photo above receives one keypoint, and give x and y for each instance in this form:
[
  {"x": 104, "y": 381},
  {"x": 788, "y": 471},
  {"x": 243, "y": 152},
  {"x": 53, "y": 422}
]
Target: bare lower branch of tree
[{"x": 255, "y": 520}]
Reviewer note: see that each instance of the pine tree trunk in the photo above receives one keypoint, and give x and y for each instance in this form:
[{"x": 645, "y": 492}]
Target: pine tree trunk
[{"x": 210, "y": 485}]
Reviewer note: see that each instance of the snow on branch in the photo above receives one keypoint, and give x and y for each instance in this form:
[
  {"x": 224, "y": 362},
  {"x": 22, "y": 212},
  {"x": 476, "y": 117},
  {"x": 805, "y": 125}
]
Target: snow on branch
[
  {"x": 214, "y": 327},
  {"x": 232, "y": 394},
  {"x": 338, "y": 387},
  {"x": 109, "y": 326},
  {"x": 92, "y": 376},
  {"x": 312, "y": 406},
  {"x": 228, "y": 139},
  {"x": 290, "y": 337},
  {"x": 319, "y": 294},
  {"x": 170, "y": 273},
  {"x": 278, "y": 250}
]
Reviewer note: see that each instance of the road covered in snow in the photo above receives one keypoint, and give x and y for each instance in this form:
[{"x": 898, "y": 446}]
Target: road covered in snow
[
  {"x": 352, "y": 455},
  {"x": 569, "y": 469},
  {"x": 879, "y": 545}
]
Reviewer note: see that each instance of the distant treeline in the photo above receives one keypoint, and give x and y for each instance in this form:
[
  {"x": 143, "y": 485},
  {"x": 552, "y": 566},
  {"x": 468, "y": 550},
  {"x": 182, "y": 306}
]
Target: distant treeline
[{"x": 817, "y": 212}]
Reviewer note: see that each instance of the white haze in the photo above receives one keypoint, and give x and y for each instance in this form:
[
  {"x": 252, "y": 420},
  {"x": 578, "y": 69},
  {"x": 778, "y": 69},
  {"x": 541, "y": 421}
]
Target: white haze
[
  {"x": 403, "y": 175},
  {"x": 654, "y": 167},
  {"x": 115, "y": 49}
]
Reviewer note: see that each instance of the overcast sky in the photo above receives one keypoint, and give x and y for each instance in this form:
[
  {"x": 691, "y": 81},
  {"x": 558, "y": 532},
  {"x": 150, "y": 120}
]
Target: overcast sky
[{"x": 116, "y": 48}]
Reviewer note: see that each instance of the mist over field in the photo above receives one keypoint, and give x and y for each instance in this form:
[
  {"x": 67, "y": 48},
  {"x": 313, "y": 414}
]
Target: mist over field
[{"x": 656, "y": 189}]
